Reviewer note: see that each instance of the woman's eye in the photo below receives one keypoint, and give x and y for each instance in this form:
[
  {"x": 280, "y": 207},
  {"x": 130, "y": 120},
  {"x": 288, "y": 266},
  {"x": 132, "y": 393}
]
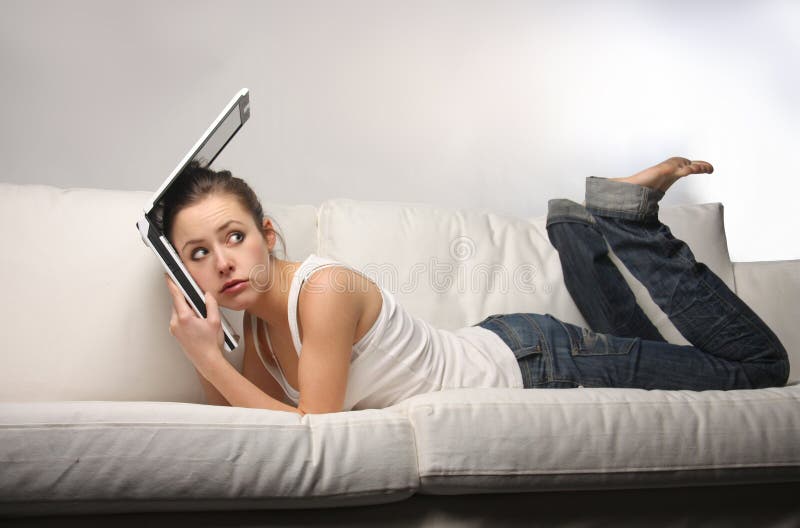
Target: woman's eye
[{"x": 196, "y": 253}]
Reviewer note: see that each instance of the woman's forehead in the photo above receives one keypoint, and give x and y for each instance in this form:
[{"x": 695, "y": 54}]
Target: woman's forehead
[{"x": 208, "y": 214}]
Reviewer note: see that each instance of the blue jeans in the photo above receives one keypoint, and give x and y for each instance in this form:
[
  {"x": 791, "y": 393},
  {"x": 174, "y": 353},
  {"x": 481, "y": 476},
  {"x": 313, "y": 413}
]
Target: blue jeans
[{"x": 732, "y": 348}]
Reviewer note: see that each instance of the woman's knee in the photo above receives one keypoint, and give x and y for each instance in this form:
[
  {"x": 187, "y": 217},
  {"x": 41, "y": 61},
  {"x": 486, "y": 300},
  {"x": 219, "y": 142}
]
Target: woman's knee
[
  {"x": 768, "y": 374},
  {"x": 783, "y": 373}
]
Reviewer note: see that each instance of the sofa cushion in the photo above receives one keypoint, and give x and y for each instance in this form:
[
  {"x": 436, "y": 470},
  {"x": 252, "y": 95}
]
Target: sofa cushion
[
  {"x": 56, "y": 454},
  {"x": 772, "y": 290},
  {"x": 473, "y": 440},
  {"x": 86, "y": 310},
  {"x": 453, "y": 267}
]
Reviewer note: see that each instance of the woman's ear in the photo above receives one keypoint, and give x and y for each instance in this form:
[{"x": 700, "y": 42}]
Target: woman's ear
[{"x": 269, "y": 234}]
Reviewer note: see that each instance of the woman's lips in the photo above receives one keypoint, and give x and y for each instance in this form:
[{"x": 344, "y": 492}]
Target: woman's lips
[{"x": 236, "y": 288}]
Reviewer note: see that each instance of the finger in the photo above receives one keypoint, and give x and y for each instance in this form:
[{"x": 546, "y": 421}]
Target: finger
[
  {"x": 212, "y": 308},
  {"x": 173, "y": 288},
  {"x": 173, "y": 321},
  {"x": 179, "y": 302},
  {"x": 170, "y": 284}
]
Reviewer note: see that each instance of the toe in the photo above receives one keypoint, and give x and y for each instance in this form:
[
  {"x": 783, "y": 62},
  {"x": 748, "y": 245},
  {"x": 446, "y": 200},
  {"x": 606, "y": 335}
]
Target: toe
[{"x": 702, "y": 167}]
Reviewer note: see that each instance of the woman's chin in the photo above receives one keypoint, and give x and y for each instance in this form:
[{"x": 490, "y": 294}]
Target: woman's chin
[{"x": 238, "y": 303}]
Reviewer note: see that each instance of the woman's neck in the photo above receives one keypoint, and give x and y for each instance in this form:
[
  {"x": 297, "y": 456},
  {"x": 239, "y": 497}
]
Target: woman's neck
[{"x": 272, "y": 304}]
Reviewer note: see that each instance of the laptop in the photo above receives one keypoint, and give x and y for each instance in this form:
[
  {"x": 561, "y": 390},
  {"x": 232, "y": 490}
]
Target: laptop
[{"x": 205, "y": 151}]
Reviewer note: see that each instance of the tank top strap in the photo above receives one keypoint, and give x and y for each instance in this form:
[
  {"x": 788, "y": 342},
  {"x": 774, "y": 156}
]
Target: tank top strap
[
  {"x": 309, "y": 266},
  {"x": 276, "y": 373}
]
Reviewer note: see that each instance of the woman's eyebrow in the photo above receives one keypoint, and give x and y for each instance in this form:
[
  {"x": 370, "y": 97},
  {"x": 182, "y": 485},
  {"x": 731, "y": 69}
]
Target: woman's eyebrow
[{"x": 220, "y": 228}]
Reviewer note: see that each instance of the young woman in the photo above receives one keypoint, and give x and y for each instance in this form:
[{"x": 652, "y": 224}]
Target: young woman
[{"x": 314, "y": 343}]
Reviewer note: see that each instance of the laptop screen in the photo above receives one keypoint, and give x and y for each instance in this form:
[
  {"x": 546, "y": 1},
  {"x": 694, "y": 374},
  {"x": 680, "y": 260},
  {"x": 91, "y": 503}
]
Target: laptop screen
[
  {"x": 221, "y": 136},
  {"x": 212, "y": 142}
]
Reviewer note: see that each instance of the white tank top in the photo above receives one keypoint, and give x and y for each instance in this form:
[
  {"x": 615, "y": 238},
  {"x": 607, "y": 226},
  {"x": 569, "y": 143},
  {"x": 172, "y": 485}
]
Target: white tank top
[{"x": 402, "y": 355}]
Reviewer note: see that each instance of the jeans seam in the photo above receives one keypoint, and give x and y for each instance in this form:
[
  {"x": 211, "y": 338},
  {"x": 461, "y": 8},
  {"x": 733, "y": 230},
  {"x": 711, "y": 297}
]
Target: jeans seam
[
  {"x": 547, "y": 352},
  {"x": 566, "y": 219},
  {"x": 510, "y": 333},
  {"x": 616, "y": 213},
  {"x": 776, "y": 345},
  {"x": 644, "y": 200},
  {"x": 752, "y": 323},
  {"x": 625, "y": 351},
  {"x": 573, "y": 345}
]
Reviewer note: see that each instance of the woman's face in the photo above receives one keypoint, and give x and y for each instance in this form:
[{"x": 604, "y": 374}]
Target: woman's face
[{"x": 218, "y": 242}]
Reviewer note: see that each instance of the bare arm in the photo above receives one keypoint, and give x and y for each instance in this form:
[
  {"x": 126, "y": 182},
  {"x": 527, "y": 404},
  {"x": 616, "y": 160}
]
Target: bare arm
[
  {"x": 329, "y": 318},
  {"x": 252, "y": 369},
  {"x": 201, "y": 339},
  {"x": 330, "y": 314},
  {"x": 240, "y": 391},
  {"x": 213, "y": 396}
]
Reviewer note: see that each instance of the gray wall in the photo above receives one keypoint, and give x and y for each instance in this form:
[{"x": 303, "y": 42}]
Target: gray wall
[{"x": 497, "y": 104}]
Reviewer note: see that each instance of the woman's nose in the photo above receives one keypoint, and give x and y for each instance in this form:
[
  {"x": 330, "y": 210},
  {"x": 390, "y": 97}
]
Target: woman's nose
[{"x": 224, "y": 261}]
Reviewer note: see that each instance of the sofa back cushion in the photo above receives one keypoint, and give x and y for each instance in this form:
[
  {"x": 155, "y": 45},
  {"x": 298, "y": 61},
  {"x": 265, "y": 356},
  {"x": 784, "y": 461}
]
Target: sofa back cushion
[
  {"x": 85, "y": 312},
  {"x": 771, "y": 289},
  {"x": 454, "y": 267}
]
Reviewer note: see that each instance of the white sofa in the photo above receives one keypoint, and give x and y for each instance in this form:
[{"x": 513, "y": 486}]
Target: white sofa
[{"x": 100, "y": 411}]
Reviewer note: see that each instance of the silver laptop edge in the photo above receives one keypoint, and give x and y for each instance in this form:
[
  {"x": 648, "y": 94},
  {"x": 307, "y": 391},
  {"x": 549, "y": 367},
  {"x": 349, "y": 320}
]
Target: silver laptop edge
[
  {"x": 207, "y": 148},
  {"x": 240, "y": 100}
]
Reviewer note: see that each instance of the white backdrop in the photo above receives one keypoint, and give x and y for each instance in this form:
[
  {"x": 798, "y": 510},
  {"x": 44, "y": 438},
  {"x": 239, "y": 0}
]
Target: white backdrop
[{"x": 495, "y": 104}]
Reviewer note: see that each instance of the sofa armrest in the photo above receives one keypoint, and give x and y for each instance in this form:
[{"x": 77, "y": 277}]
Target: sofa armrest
[{"x": 772, "y": 290}]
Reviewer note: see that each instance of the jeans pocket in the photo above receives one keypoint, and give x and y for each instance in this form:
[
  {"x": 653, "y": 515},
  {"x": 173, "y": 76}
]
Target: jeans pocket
[
  {"x": 523, "y": 353},
  {"x": 589, "y": 343},
  {"x": 536, "y": 369}
]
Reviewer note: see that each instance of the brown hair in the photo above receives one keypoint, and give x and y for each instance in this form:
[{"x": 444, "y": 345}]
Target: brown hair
[{"x": 195, "y": 183}]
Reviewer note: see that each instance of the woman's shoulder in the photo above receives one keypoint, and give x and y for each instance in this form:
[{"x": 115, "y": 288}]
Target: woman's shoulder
[
  {"x": 333, "y": 275},
  {"x": 334, "y": 281},
  {"x": 341, "y": 290}
]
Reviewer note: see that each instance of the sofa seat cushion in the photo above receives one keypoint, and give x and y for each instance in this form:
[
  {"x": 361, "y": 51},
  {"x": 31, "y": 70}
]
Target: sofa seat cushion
[
  {"x": 500, "y": 440},
  {"x": 54, "y": 453}
]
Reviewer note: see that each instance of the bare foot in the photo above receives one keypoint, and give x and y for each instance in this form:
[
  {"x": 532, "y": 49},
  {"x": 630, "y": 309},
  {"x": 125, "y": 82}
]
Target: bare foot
[{"x": 663, "y": 175}]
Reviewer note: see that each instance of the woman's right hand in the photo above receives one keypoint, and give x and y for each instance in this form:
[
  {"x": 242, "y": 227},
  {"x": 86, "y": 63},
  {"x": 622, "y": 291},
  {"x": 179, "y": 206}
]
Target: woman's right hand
[{"x": 200, "y": 338}]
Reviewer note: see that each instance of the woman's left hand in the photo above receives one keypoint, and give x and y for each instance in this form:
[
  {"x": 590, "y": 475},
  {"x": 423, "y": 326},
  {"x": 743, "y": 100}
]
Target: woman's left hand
[{"x": 201, "y": 339}]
